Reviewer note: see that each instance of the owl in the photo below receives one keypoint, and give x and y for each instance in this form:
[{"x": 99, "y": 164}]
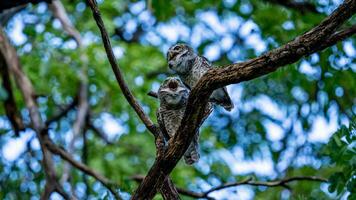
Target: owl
[
  {"x": 190, "y": 67},
  {"x": 173, "y": 97}
]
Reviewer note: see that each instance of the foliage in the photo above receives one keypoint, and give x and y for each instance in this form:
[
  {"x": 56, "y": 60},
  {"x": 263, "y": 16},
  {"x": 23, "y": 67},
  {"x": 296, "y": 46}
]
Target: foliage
[
  {"x": 278, "y": 129},
  {"x": 342, "y": 149}
]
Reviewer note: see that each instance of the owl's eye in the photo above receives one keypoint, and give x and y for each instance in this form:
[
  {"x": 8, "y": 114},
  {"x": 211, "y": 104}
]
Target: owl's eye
[{"x": 177, "y": 48}]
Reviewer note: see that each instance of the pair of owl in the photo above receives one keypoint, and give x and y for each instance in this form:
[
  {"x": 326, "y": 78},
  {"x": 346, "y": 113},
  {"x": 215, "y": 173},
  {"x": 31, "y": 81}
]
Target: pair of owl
[{"x": 173, "y": 94}]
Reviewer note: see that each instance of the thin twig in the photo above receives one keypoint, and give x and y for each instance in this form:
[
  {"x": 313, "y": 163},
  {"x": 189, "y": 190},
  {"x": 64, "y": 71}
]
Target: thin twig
[
  {"x": 60, "y": 13},
  {"x": 63, "y": 112},
  {"x": 99, "y": 132},
  {"x": 118, "y": 74},
  {"x": 248, "y": 181},
  {"x": 82, "y": 167}
]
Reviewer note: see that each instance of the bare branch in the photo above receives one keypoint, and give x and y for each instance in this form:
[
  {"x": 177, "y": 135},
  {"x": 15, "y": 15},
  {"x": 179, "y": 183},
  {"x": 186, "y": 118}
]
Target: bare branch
[
  {"x": 99, "y": 132},
  {"x": 10, "y": 106},
  {"x": 247, "y": 181},
  {"x": 118, "y": 74},
  {"x": 275, "y": 183},
  {"x": 60, "y": 13},
  {"x": 82, "y": 167},
  {"x": 64, "y": 111},
  {"x": 28, "y": 93},
  {"x": 232, "y": 74}
]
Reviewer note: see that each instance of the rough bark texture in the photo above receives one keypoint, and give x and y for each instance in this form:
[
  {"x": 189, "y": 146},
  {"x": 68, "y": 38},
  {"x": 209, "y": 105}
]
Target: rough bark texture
[{"x": 232, "y": 74}]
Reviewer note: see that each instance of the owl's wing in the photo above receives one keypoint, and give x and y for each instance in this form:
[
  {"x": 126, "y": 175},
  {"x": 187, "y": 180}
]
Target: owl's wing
[
  {"x": 187, "y": 86},
  {"x": 205, "y": 63},
  {"x": 162, "y": 126}
]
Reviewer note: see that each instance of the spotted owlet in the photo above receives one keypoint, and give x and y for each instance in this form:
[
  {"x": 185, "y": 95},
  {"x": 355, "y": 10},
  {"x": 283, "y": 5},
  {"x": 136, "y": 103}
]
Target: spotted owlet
[
  {"x": 173, "y": 96},
  {"x": 190, "y": 67}
]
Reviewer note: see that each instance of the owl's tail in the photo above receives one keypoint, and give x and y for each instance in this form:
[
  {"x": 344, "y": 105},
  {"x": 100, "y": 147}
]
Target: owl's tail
[
  {"x": 192, "y": 156},
  {"x": 222, "y": 98}
]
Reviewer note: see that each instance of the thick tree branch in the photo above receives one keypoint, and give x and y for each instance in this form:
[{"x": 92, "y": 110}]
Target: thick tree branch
[
  {"x": 232, "y": 74},
  {"x": 335, "y": 38},
  {"x": 302, "y": 6},
  {"x": 118, "y": 74},
  {"x": 28, "y": 93}
]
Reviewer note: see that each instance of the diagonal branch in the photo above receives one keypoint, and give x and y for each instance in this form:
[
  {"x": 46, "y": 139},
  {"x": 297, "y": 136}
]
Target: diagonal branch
[
  {"x": 231, "y": 74},
  {"x": 10, "y": 106},
  {"x": 82, "y": 167},
  {"x": 118, "y": 74},
  {"x": 99, "y": 132},
  {"x": 63, "y": 112}
]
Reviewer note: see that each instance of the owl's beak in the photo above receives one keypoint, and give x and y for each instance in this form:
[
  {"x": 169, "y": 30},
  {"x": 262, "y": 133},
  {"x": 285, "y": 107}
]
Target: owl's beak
[
  {"x": 169, "y": 55},
  {"x": 173, "y": 85}
]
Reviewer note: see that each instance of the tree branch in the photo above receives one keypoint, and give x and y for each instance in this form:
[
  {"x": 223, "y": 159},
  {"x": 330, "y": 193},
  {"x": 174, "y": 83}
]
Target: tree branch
[
  {"x": 60, "y": 13},
  {"x": 99, "y": 132},
  {"x": 247, "y": 181},
  {"x": 232, "y": 74},
  {"x": 10, "y": 106},
  {"x": 64, "y": 111},
  {"x": 27, "y": 91},
  {"x": 82, "y": 167},
  {"x": 118, "y": 74}
]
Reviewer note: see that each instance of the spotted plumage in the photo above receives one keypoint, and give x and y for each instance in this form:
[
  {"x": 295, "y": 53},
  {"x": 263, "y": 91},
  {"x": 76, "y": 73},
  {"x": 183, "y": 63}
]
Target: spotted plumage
[
  {"x": 173, "y": 96},
  {"x": 190, "y": 67}
]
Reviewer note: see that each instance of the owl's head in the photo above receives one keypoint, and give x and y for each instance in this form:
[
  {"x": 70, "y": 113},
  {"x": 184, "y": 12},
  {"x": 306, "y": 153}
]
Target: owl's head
[
  {"x": 180, "y": 57},
  {"x": 173, "y": 93}
]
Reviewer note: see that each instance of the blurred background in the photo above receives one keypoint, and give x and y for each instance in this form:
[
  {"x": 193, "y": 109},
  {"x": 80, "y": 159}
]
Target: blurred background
[{"x": 282, "y": 124}]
